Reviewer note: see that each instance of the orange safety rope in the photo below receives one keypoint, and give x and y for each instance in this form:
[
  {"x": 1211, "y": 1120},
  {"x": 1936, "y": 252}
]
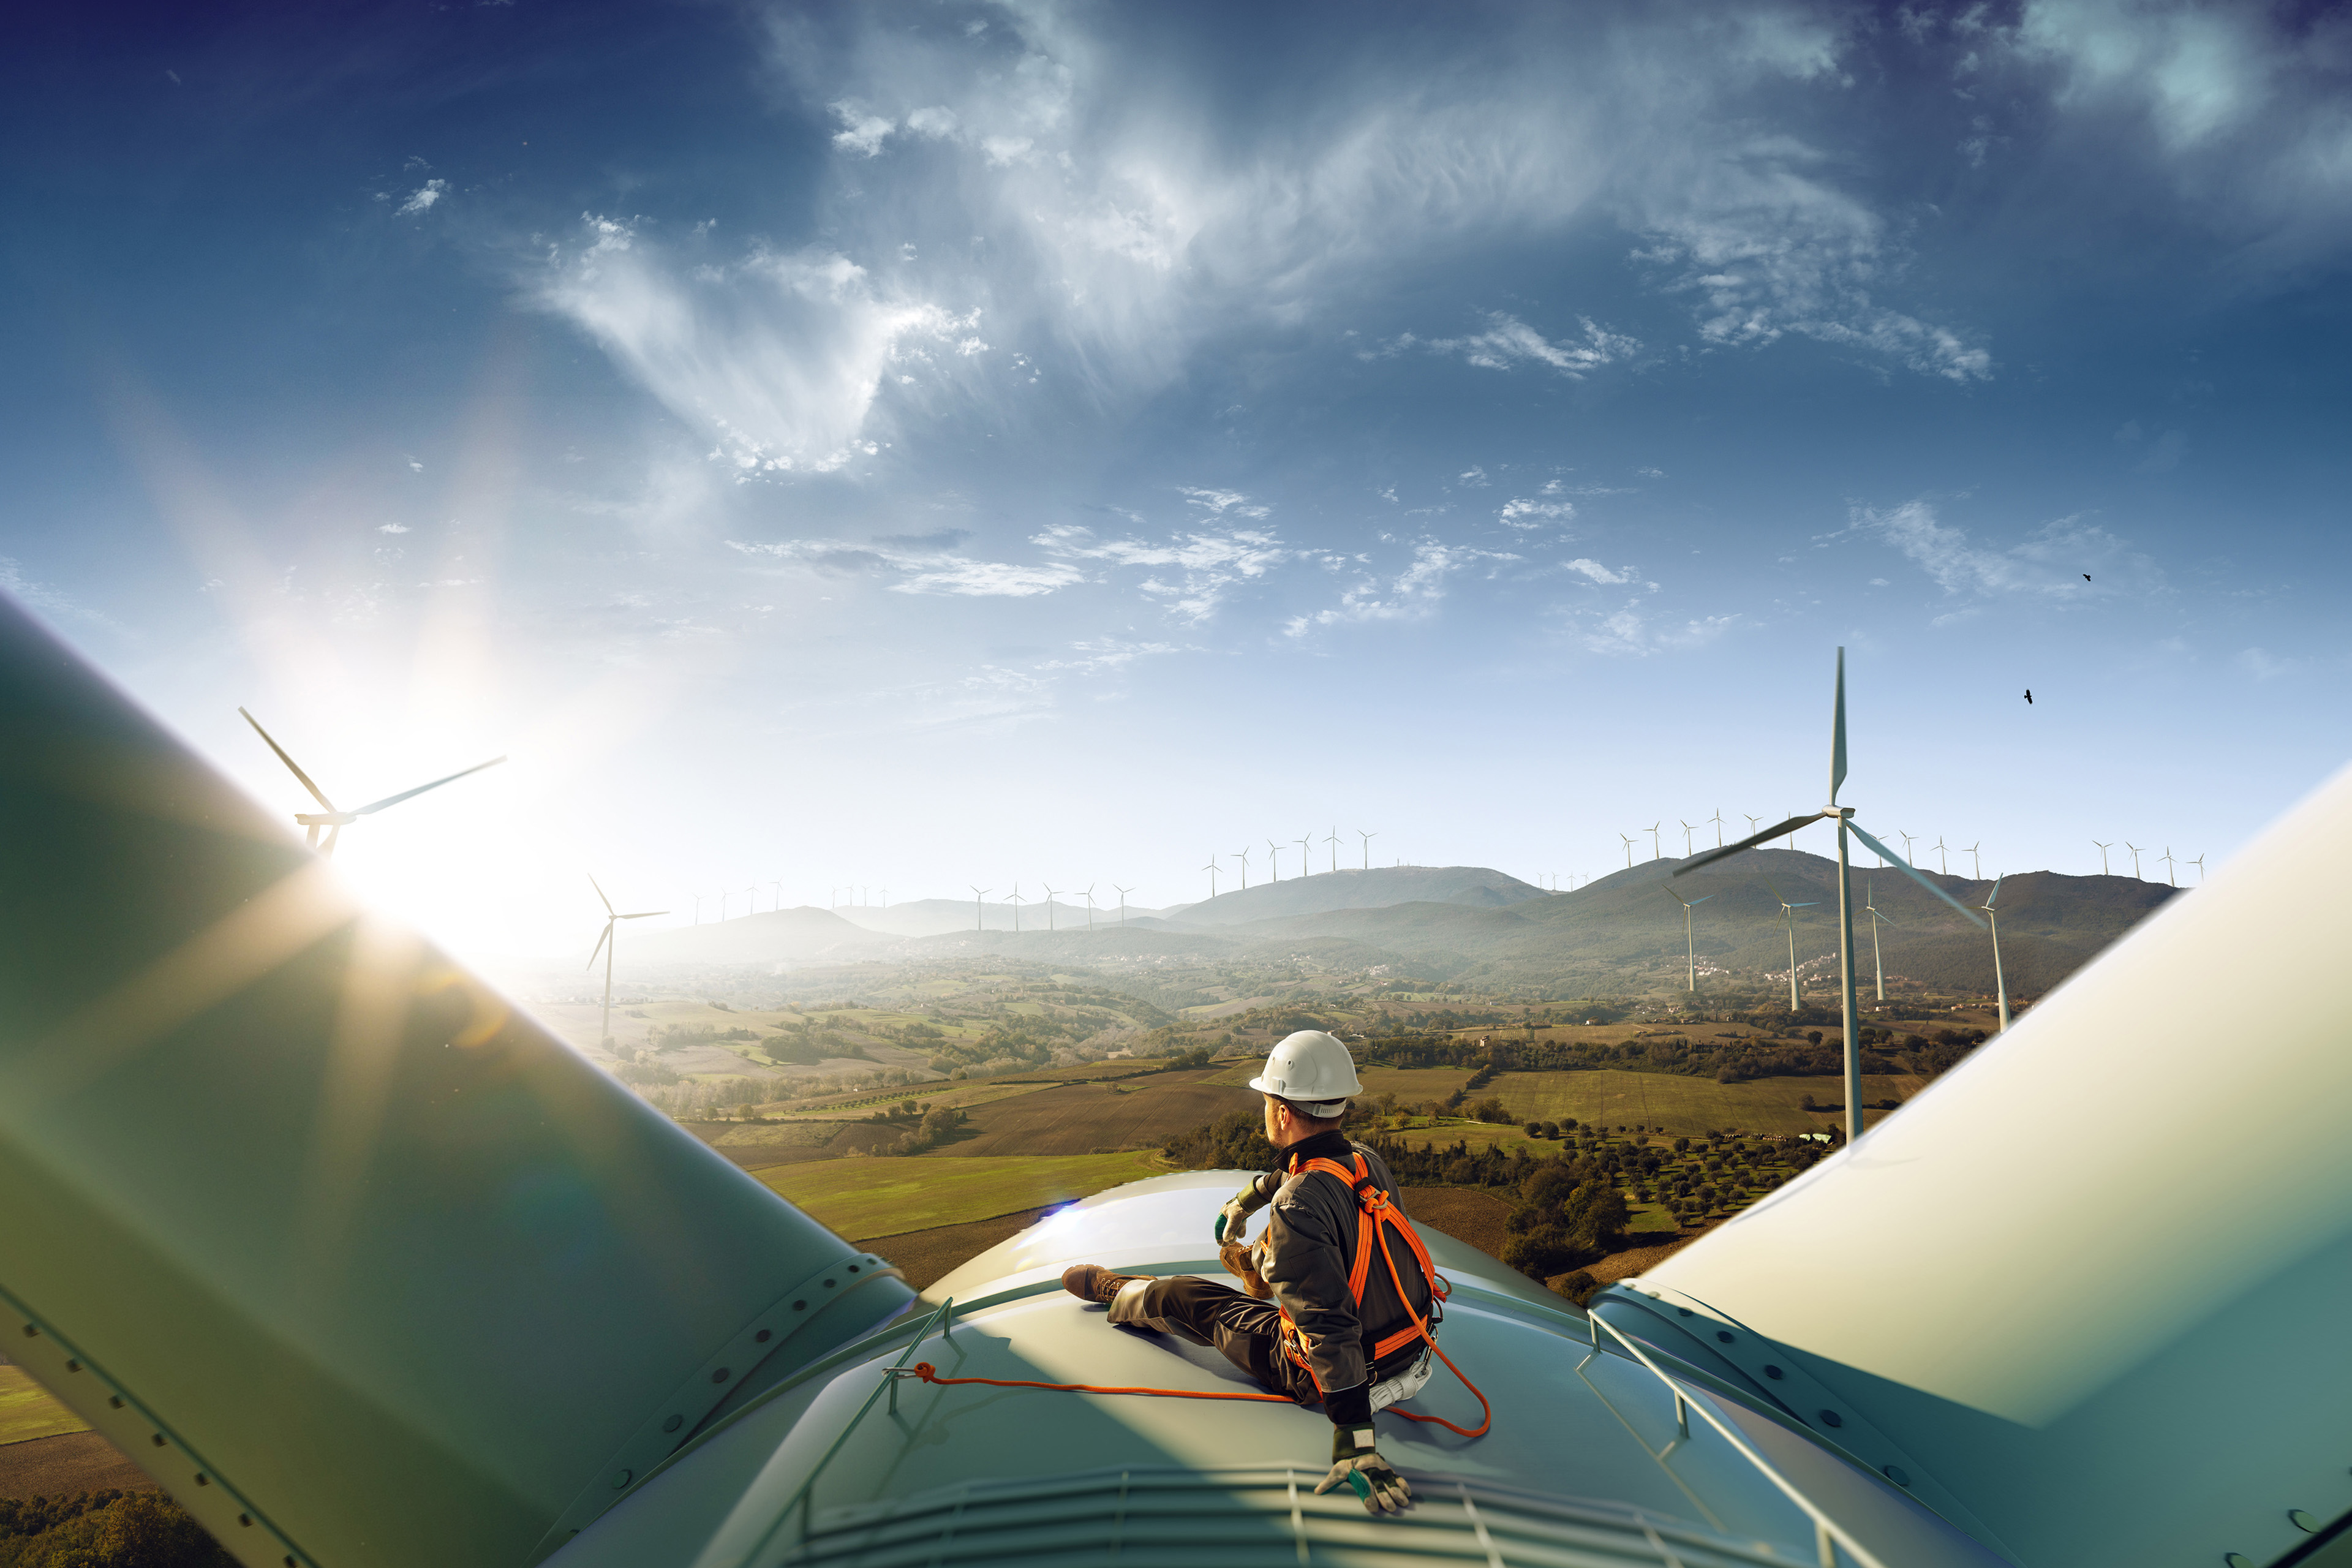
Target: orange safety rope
[{"x": 930, "y": 1373}]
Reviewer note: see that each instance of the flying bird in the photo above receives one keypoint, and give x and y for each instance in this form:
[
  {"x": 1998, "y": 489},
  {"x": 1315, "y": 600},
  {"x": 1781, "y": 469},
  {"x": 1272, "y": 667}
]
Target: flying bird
[
  {"x": 2029, "y": 697},
  {"x": 2087, "y": 576}
]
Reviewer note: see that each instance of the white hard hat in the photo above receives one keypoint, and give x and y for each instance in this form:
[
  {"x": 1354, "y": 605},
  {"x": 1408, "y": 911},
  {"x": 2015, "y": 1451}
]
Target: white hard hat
[{"x": 1312, "y": 1071}]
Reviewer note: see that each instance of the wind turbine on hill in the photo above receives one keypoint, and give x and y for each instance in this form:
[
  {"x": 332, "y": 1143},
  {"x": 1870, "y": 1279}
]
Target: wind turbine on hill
[
  {"x": 2102, "y": 850},
  {"x": 327, "y": 817},
  {"x": 605, "y": 945},
  {"x": 2135, "y": 854},
  {"x": 1334, "y": 842},
  {"x": 1657, "y": 851},
  {"x": 1122, "y": 905},
  {"x": 1049, "y": 906},
  {"x": 2169, "y": 874},
  {"x": 1976, "y": 862},
  {"x": 1718, "y": 820},
  {"x": 1690, "y": 953},
  {"x": 1368, "y": 838},
  {"x": 1792, "y": 840},
  {"x": 1273, "y": 860},
  {"x": 1242, "y": 855},
  {"x": 1014, "y": 898},
  {"x": 1789, "y": 918},
  {"x": 1090, "y": 905},
  {"x": 1629, "y": 850},
  {"x": 2200, "y": 864},
  {"x": 978, "y": 910},
  {"x": 1869, "y": 906},
  {"x": 2000, "y": 985},
  {"x": 1907, "y": 838},
  {"x": 1211, "y": 869},
  {"x": 1306, "y": 854},
  {"x": 1843, "y": 815},
  {"x": 1687, "y": 831},
  {"x": 1943, "y": 861}
]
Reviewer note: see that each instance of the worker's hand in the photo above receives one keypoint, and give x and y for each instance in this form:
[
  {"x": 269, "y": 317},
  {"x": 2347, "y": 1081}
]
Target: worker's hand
[
  {"x": 1358, "y": 1465},
  {"x": 1235, "y": 1216}
]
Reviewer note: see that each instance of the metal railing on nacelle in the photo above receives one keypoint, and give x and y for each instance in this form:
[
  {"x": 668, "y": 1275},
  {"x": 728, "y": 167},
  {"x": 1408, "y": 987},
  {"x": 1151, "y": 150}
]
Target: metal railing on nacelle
[{"x": 1828, "y": 1534}]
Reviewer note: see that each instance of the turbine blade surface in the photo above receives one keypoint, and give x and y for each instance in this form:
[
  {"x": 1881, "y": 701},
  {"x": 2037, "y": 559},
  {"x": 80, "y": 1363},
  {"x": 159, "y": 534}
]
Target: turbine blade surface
[
  {"x": 1837, "y": 734},
  {"x": 601, "y": 937},
  {"x": 600, "y": 894}
]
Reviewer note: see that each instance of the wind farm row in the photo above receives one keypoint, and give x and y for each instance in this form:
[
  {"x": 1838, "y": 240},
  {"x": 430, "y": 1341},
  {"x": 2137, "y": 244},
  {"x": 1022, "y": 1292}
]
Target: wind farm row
[{"x": 1942, "y": 852}]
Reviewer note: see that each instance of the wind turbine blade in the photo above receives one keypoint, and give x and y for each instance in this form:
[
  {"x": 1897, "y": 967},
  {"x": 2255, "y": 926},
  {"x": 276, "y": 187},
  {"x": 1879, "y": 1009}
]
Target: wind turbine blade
[
  {"x": 1906, "y": 869},
  {"x": 1996, "y": 889},
  {"x": 1837, "y": 734},
  {"x": 1807, "y": 904},
  {"x": 1672, "y": 894},
  {"x": 641, "y": 915},
  {"x": 1750, "y": 842},
  {"x": 1696, "y": 902},
  {"x": 327, "y": 849},
  {"x": 420, "y": 789},
  {"x": 600, "y": 944},
  {"x": 600, "y": 893},
  {"x": 316, "y": 793}
]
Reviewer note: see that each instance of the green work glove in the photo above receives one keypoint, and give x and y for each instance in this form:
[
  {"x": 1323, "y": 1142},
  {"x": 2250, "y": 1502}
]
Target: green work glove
[
  {"x": 1359, "y": 1465},
  {"x": 1235, "y": 1216}
]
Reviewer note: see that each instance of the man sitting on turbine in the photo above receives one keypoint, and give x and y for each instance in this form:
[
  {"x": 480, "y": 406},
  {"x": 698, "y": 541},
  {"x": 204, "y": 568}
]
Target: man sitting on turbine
[{"x": 1335, "y": 1328}]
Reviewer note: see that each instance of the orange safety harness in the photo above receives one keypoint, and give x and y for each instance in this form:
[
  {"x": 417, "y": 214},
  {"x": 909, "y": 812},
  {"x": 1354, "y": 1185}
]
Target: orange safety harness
[{"x": 1376, "y": 1214}]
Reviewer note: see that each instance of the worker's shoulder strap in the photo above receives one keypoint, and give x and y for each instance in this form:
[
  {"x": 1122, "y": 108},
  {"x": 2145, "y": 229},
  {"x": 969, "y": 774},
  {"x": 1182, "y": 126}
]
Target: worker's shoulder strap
[{"x": 1375, "y": 1209}]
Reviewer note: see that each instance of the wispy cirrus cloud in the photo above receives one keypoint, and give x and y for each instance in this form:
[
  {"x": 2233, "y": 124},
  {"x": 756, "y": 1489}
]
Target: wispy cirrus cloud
[
  {"x": 919, "y": 570},
  {"x": 2063, "y": 561},
  {"x": 1191, "y": 573},
  {"x": 1632, "y": 631},
  {"x": 1411, "y": 594},
  {"x": 1508, "y": 343}
]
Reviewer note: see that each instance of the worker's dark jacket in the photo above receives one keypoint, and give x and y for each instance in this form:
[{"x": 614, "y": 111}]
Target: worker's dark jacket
[{"x": 1312, "y": 1246}]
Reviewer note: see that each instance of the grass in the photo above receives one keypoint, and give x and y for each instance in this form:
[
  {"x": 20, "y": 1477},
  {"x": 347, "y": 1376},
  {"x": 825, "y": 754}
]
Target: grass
[
  {"x": 877, "y": 1197},
  {"x": 1077, "y": 1119},
  {"x": 1683, "y": 1105},
  {"x": 26, "y": 1411}
]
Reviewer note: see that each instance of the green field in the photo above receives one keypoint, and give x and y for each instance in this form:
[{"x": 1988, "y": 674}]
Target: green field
[
  {"x": 883, "y": 1196},
  {"x": 1682, "y": 1105},
  {"x": 26, "y": 1411}
]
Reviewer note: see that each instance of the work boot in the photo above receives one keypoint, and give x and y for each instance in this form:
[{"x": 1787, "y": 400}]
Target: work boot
[{"x": 1092, "y": 1282}]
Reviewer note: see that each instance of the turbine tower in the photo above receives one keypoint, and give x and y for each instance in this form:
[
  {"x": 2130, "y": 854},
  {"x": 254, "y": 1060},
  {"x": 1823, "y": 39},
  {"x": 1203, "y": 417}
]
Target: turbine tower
[
  {"x": 1793, "y": 839},
  {"x": 1049, "y": 907},
  {"x": 2103, "y": 854},
  {"x": 1943, "y": 863},
  {"x": 1718, "y": 820},
  {"x": 2169, "y": 874},
  {"x": 1245, "y": 855},
  {"x": 1657, "y": 851},
  {"x": 1090, "y": 905},
  {"x": 978, "y": 910},
  {"x": 1907, "y": 838},
  {"x": 1999, "y": 985},
  {"x": 2200, "y": 864},
  {"x": 1334, "y": 842},
  {"x": 1690, "y": 953},
  {"x": 697, "y": 908},
  {"x": 1211, "y": 869},
  {"x": 1629, "y": 850},
  {"x": 1975, "y": 861},
  {"x": 1789, "y": 918},
  {"x": 1015, "y": 898},
  {"x": 1687, "y": 830},
  {"x": 1122, "y": 905},
  {"x": 1273, "y": 860},
  {"x": 1843, "y": 815},
  {"x": 1869, "y": 906},
  {"x": 1752, "y": 821},
  {"x": 335, "y": 821},
  {"x": 2135, "y": 854},
  {"x": 1368, "y": 838},
  {"x": 1306, "y": 853},
  {"x": 606, "y": 945},
  {"x": 751, "y": 899}
]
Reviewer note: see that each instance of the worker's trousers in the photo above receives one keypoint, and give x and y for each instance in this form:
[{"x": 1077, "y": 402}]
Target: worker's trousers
[{"x": 1247, "y": 1332}]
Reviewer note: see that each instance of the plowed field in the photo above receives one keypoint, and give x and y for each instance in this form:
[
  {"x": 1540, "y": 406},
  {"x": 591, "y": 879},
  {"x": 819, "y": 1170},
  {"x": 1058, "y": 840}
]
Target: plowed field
[{"x": 1079, "y": 1119}]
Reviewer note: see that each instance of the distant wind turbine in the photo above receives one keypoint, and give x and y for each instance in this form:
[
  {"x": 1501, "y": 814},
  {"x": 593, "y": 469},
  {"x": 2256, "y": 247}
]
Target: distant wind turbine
[
  {"x": 697, "y": 908},
  {"x": 1049, "y": 906},
  {"x": 1306, "y": 854},
  {"x": 1975, "y": 861},
  {"x": 1718, "y": 820},
  {"x": 1907, "y": 838},
  {"x": 1368, "y": 838},
  {"x": 1690, "y": 953},
  {"x": 1869, "y": 906},
  {"x": 751, "y": 899},
  {"x": 1789, "y": 918},
  {"x": 327, "y": 817},
  {"x": 1274, "y": 861},
  {"x": 606, "y": 945},
  {"x": 2000, "y": 985},
  {"x": 2200, "y": 864},
  {"x": 776, "y": 894},
  {"x": 978, "y": 910},
  {"x": 1629, "y": 850},
  {"x": 1843, "y": 815},
  {"x": 1687, "y": 830},
  {"x": 2135, "y": 854},
  {"x": 2102, "y": 850},
  {"x": 1090, "y": 905},
  {"x": 1942, "y": 864},
  {"x": 1211, "y": 869},
  {"x": 1334, "y": 842},
  {"x": 1016, "y": 902},
  {"x": 1122, "y": 905},
  {"x": 1243, "y": 855},
  {"x": 2169, "y": 874},
  {"x": 1657, "y": 851},
  {"x": 1752, "y": 821},
  {"x": 722, "y": 909}
]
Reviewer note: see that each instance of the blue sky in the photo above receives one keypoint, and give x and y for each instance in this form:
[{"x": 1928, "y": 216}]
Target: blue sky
[{"x": 923, "y": 445}]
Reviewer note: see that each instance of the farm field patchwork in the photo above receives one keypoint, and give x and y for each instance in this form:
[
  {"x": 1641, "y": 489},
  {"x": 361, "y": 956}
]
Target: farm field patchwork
[
  {"x": 27, "y": 1411},
  {"x": 1683, "y": 1105},
  {"x": 1079, "y": 1118},
  {"x": 883, "y": 1196}
]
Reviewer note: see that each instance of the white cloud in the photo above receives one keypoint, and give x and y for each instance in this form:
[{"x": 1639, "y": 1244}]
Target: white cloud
[
  {"x": 392, "y": 528},
  {"x": 1218, "y": 502},
  {"x": 1509, "y": 342},
  {"x": 1597, "y": 572},
  {"x": 1629, "y": 633},
  {"x": 422, "y": 199},
  {"x": 781, "y": 354},
  {"x": 2263, "y": 665},
  {"x": 1205, "y": 567},
  {"x": 39, "y": 595},
  {"x": 920, "y": 570},
  {"x": 1412, "y": 594},
  {"x": 861, "y": 133},
  {"x": 1526, "y": 514},
  {"x": 1473, "y": 476},
  {"x": 2049, "y": 564}
]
